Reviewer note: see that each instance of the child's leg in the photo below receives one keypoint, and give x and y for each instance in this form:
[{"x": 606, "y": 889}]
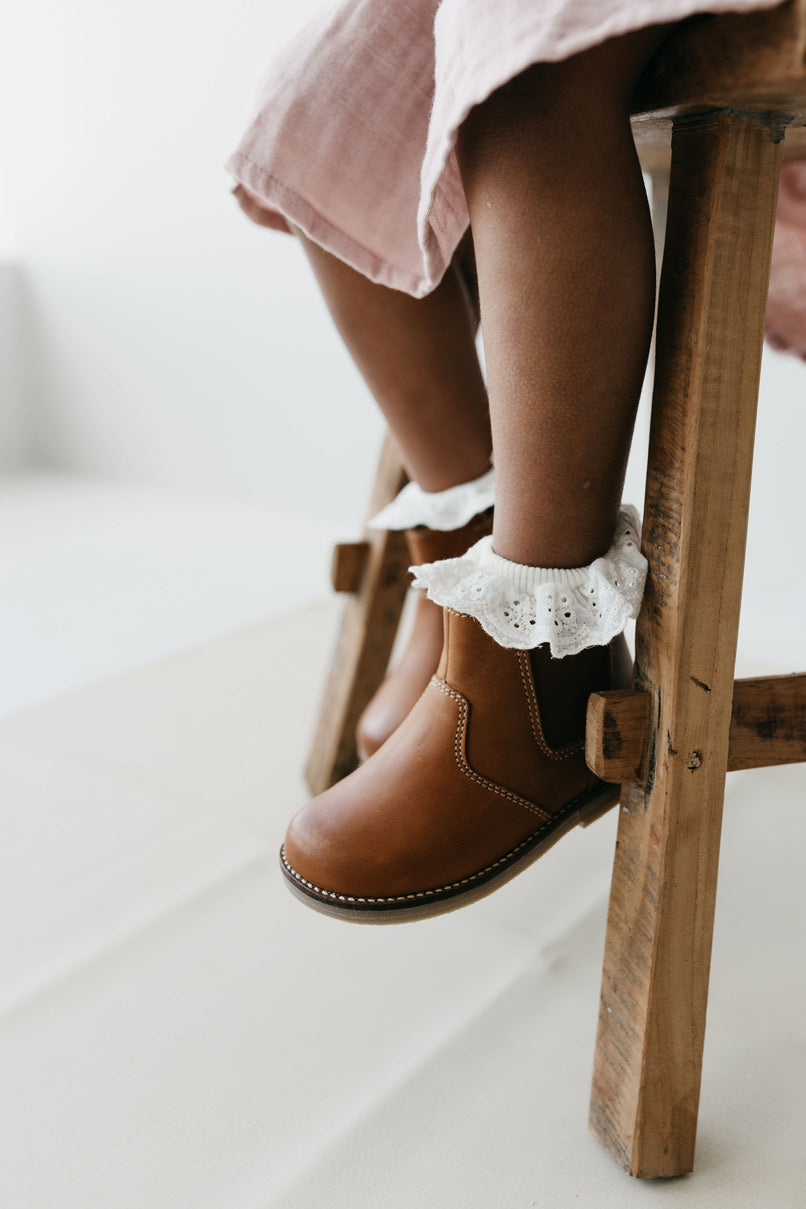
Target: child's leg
[
  {"x": 565, "y": 260},
  {"x": 488, "y": 768},
  {"x": 418, "y": 357}
]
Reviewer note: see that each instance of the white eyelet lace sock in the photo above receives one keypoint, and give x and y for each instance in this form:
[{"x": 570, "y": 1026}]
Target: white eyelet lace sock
[
  {"x": 439, "y": 510},
  {"x": 523, "y": 607}
]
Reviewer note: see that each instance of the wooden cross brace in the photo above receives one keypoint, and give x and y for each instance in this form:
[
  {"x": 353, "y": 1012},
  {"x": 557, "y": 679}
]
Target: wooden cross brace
[{"x": 767, "y": 727}]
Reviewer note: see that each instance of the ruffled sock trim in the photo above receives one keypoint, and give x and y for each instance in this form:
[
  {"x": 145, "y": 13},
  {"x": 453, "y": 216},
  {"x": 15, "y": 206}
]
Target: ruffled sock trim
[
  {"x": 439, "y": 510},
  {"x": 523, "y": 607}
]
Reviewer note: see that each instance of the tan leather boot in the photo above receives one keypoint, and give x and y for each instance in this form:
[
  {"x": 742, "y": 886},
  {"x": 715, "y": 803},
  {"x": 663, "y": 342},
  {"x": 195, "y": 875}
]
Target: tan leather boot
[
  {"x": 409, "y": 678},
  {"x": 485, "y": 773}
]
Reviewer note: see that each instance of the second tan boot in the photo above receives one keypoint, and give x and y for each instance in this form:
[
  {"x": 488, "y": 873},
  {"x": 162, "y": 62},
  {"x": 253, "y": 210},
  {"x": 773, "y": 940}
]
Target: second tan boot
[{"x": 418, "y": 662}]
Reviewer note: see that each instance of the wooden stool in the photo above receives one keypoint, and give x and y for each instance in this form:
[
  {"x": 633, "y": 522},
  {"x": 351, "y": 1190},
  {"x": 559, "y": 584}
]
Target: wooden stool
[
  {"x": 373, "y": 572},
  {"x": 728, "y": 90}
]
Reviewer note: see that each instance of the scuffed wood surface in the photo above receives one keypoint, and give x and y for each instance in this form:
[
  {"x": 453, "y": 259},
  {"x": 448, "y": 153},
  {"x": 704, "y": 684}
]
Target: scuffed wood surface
[
  {"x": 730, "y": 61},
  {"x": 616, "y": 734},
  {"x": 767, "y": 727},
  {"x": 647, "y": 1068},
  {"x": 745, "y": 61},
  {"x": 369, "y": 625},
  {"x": 768, "y": 722}
]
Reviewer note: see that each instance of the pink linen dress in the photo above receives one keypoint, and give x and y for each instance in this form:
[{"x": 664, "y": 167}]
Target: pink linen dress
[{"x": 353, "y": 132}]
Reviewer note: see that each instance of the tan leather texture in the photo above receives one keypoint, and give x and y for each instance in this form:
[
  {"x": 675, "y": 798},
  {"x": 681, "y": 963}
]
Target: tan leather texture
[
  {"x": 417, "y": 664},
  {"x": 428, "y": 545},
  {"x": 464, "y": 780}
]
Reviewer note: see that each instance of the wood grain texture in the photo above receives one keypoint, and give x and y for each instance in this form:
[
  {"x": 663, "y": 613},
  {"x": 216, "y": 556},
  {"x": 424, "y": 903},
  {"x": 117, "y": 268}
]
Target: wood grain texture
[
  {"x": 745, "y": 61},
  {"x": 768, "y": 722},
  {"x": 767, "y": 727},
  {"x": 369, "y": 625},
  {"x": 616, "y": 734},
  {"x": 733, "y": 60},
  {"x": 653, "y": 139},
  {"x": 348, "y": 566},
  {"x": 648, "y": 1059}
]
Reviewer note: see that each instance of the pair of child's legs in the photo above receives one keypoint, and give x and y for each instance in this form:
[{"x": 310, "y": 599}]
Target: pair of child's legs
[
  {"x": 565, "y": 262},
  {"x": 486, "y": 768}
]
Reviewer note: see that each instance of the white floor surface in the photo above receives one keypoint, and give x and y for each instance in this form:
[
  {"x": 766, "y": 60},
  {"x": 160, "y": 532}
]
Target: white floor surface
[
  {"x": 178, "y": 1032},
  {"x": 97, "y": 578}
]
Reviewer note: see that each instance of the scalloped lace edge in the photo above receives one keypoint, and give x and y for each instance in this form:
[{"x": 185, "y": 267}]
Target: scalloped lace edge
[
  {"x": 523, "y": 607},
  {"x": 440, "y": 510}
]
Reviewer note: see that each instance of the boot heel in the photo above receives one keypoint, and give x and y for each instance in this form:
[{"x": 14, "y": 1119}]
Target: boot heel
[{"x": 599, "y": 805}]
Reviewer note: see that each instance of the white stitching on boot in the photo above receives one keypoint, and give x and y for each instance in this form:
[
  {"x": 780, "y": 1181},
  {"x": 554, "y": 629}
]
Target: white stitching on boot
[
  {"x": 461, "y": 760},
  {"x": 421, "y": 894}
]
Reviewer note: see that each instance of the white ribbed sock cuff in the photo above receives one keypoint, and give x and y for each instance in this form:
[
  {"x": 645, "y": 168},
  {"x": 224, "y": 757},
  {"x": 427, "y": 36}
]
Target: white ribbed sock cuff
[{"x": 523, "y": 607}]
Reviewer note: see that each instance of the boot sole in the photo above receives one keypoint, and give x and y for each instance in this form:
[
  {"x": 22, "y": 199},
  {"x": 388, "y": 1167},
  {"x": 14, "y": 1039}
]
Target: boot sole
[{"x": 425, "y": 904}]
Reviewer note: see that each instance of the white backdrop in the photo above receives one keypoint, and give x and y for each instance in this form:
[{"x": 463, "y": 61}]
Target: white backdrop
[
  {"x": 168, "y": 340},
  {"x": 162, "y": 1002},
  {"x": 161, "y": 338}
]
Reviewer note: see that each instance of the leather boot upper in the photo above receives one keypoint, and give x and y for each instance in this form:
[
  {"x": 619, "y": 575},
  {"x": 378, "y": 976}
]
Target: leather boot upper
[
  {"x": 489, "y": 755},
  {"x": 404, "y": 684}
]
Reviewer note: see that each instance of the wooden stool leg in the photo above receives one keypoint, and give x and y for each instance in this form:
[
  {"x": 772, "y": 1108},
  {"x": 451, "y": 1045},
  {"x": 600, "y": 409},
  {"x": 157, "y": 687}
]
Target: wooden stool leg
[
  {"x": 647, "y": 1068},
  {"x": 375, "y": 573}
]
